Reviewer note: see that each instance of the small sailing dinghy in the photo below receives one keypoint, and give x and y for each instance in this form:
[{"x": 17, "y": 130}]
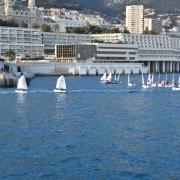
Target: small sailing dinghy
[
  {"x": 109, "y": 79},
  {"x": 103, "y": 78},
  {"x": 154, "y": 84},
  {"x": 130, "y": 83},
  {"x": 145, "y": 86},
  {"x": 21, "y": 85},
  {"x": 60, "y": 85}
]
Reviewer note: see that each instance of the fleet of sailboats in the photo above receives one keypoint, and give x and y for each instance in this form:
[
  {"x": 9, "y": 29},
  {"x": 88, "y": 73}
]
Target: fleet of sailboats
[{"x": 109, "y": 79}]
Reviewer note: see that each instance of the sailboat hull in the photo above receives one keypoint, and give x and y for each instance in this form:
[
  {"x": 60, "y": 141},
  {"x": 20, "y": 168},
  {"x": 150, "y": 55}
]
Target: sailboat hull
[
  {"x": 21, "y": 91},
  {"x": 176, "y": 88},
  {"x": 131, "y": 85},
  {"x": 59, "y": 91}
]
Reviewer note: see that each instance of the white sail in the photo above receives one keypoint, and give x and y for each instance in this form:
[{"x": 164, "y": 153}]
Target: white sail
[
  {"x": 118, "y": 77},
  {"x": 115, "y": 79},
  {"x": 103, "y": 78},
  {"x": 179, "y": 81},
  {"x": 128, "y": 78},
  {"x": 152, "y": 79},
  {"x": 149, "y": 80},
  {"x": 143, "y": 79},
  {"x": 166, "y": 78},
  {"x": 61, "y": 83},
  {"x": 173, "y": 80},
  {"x": 22, "y": 85},
  {"x": 109, "y": 78},
  {"x": 159, "y": 78}
]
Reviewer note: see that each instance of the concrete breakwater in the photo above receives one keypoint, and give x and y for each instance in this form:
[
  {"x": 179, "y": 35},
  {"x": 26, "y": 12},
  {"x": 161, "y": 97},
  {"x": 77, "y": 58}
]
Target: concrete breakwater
[{"x": 56, "y": 68}]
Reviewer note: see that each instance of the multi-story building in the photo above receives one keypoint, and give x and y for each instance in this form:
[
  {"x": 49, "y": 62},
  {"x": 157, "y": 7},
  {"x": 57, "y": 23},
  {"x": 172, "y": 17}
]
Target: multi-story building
[
  {"x": 161, "y": 53},
  {"x": 27, "y": 42},
  {"x": 153, "y": 25},
  {"x": 135, "y": 19},
  {"x": 51, "y": 39},
  {"x": 28, "y": 17}
]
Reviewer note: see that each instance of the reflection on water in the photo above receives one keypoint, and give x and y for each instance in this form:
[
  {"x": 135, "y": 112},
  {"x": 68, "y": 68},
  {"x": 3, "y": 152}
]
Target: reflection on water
[
  {"x": 20, "y": 98},
  {"x": 60, "y": 102},
  {"x": 60, "y": 97}
]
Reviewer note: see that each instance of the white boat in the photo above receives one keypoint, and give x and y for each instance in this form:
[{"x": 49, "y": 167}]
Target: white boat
[
  {"x": 152, "y": 79},
  {"x": 109, "y": 78},
  {"x": 179, "y": 81},
  {"x": 21, "y": 85},
  {"x": 103, "y": 78},
  {"x": 145, "y": 86},
  {"x": 170, "y": 85},
  {"x": 176, "y": 88},
  {"x": 149, "y": 80},
  {"x": 130, "y": 84},
  {"x": 160, "y": 83},
  {"x": 118, "y": 78},
  {"x": 60, "y": 85}
]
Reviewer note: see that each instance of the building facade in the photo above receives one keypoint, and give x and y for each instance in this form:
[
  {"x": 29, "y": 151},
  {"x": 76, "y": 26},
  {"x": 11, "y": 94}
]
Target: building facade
[
  {"x": 29, "y": 17},
  {"x": 23, "y": 41},
  {"x": 135, "y": 19},
  {"x": 51, "y": 39},
  {"x": 161, "y": 53},
  {"x": 153, "y": 25}
]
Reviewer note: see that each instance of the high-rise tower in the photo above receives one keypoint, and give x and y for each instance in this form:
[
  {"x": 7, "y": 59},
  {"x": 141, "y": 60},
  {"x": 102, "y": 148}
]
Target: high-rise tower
[
  {"x": 135, "y": 19},
  {"x": 8, "y": 10}
]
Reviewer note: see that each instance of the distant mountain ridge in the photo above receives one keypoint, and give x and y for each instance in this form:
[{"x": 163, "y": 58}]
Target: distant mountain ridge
[{"x": 110, "y": 6}]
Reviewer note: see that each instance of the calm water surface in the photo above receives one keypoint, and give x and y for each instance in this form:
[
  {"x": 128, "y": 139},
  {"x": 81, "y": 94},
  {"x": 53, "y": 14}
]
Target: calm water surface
[{"x": 94, "y": 131}]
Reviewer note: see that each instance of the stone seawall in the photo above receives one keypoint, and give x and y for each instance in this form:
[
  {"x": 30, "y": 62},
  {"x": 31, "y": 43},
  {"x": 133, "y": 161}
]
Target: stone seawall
[{"x": 56, "y": 68}]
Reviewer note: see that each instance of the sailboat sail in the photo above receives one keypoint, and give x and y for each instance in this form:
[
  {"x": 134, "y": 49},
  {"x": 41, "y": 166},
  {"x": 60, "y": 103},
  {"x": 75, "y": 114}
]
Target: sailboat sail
[
  {"x": 149, "y": 81},
  {"x": 109, "y": 78},
  {"x": 118, "y": 77},
  {"x": 61, "y": 83},
  {"x": 22, "y": 85},
  {"x": 152, "y": 78},
  {"x": 159, "y": 77},
  {"x": 166, "y": 78},
  {"x": 115, "y": 79},
  {"x": 143, "y": 79},
  {"x": 173, "y": 79},
  {"x": 128, "y": 78},
  {"x": 103, "y": 78}
]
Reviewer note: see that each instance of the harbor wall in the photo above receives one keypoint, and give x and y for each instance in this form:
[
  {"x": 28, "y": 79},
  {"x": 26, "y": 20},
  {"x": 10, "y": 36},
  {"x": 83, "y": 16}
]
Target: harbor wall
[{"x": 56, "y": 68}]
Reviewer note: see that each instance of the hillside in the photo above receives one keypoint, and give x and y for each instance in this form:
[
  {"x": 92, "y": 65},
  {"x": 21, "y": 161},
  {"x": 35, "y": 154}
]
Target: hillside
[{"x": 110, "y": 7}]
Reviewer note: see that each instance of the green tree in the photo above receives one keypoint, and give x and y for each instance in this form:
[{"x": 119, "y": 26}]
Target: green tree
[
  {"x": 10, "y": 54},
  {"x": 126, "y": 30},
  {"x": 146, "y": 31},
  {"x": 46, "y": 28},
  {"x": 114, "y": 30},
  {"x": 11, "y": 23}
]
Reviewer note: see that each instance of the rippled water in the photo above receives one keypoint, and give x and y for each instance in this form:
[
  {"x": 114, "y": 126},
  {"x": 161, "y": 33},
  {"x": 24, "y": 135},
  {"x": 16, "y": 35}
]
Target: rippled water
[{"x": 94, "y": 131}]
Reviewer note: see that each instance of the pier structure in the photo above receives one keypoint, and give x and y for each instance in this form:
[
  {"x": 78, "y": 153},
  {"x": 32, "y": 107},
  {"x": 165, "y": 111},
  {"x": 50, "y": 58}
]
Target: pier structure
[{"x": 57, "y": 68}]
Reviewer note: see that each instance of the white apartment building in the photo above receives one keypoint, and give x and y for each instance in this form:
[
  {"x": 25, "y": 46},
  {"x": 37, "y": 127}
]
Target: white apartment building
[
  {"x": 161, "y": 53},
  {"x": 27, "y": 42},
  {"x": 51, "y": 39},
  {"x": 153, "y": 24},
  {"x": 135, "y": 19}
]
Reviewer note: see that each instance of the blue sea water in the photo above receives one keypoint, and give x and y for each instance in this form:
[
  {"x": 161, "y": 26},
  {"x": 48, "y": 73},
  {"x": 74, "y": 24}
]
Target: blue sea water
[{"x": 95, "y": 131}]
